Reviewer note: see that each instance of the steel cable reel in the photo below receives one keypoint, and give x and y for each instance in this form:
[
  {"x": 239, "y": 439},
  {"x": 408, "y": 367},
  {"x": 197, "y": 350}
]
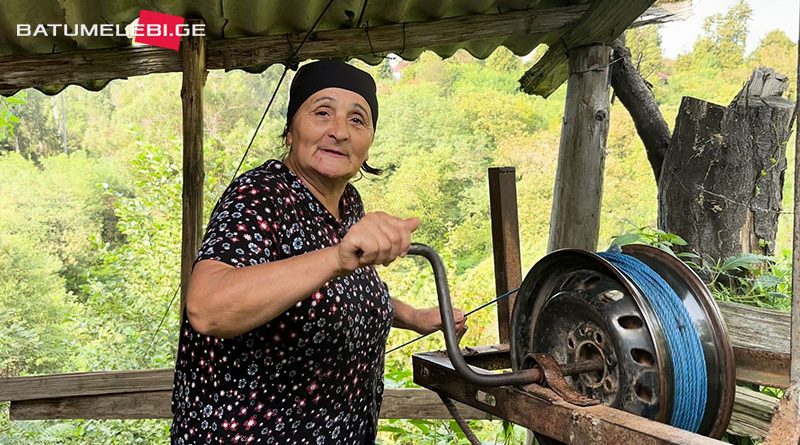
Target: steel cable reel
[{"x": 577, "y": 306}]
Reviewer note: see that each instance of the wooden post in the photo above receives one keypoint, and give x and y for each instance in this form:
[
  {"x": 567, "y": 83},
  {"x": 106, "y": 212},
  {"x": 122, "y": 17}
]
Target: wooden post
[
  {"x": 575, "y": 219},
  {"x": 505, "y": 242},
  {"x": 795, "y": 366},
  {"x": 193, "y": 56},
  {"x": 578, "y": 192},
  {"x": 785, "y": 427}
]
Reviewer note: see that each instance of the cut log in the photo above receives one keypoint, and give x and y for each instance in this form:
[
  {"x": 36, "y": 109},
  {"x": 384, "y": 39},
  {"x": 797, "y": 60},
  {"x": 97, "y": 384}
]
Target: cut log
[{"x": 722, "y": 179}]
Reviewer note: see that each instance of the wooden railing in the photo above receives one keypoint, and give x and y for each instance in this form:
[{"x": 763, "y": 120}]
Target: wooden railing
[{"x": 146, "y": 394}]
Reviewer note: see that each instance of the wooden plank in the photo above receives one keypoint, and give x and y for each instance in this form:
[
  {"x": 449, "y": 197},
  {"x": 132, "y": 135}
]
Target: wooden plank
[
  {"x": 505, "y": 242},
  {"x": 137, "y": 405},
  {"x": 398, "y": 403},
  {"x": 84, "y": 383},
  {"x": 752, "y": 413},
  {"x": 541, "y": 410},
  {"x": 760, "y": 339},
  {"x": 795, "y": 317},
  {"x": 39, "y": 70},
  {"x": 420, "y": 403},
  {"x": 603, "y": 22},
  {"x": 575, "y": 219},
  {"x": 193, "y": 56}
]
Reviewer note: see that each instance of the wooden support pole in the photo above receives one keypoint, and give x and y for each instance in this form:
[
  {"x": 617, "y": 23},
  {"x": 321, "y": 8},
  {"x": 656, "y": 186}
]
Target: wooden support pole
[
  {"x": 795, "y": 366},
  {"x": 193, "y": 57},
  {"x": 785, "y": 426},
  {"x": 505, "y": 242},
  {"x": 575, "y": 219}
]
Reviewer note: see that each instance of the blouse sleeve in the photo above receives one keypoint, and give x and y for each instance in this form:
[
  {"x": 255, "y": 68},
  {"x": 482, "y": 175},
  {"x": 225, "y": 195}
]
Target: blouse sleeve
[{"x": 242, "y": 230}]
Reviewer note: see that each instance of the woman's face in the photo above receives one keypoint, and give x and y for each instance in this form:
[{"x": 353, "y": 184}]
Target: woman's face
[{"x": 331, "y": 133}]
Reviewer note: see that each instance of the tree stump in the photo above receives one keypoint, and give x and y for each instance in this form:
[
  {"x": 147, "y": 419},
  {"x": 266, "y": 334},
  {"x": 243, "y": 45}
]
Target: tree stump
[{"x": 722, "y": 178}]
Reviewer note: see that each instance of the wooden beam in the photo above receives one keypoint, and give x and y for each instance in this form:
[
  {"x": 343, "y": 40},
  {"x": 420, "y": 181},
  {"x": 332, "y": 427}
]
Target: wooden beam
[
  {"x": 575, "y": 218},
  {"x": 760, "y": 339},
  {"x": 603, "y": 22},
  {"x": 542, "y": 410},
  {"x": 84, "y": 384},
  {"x": 398, "y": 403},
  {"x": 752, "y": 409},
  {"x": 135, "y": 405},
  {"x": 193, "y": 57},
  {"x": 752, "y": 413},
  {"x": 505, "y": 242},
  {"x": 39, "y": 70}
]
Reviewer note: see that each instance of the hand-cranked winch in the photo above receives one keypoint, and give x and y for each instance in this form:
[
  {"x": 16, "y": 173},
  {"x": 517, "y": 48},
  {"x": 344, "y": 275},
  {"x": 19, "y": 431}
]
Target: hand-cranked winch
[{"x": 634, "y": 329}]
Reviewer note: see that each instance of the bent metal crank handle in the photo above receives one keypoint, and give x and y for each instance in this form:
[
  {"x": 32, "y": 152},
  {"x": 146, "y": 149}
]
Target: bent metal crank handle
[
  {"x": 538, "y": 368},
  {"x": 520, "y": 377}
]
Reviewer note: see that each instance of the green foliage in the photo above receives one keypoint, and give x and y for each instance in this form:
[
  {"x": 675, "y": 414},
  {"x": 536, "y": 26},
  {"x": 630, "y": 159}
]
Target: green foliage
[
  {"x": 722, "y": 43},
  {"x": 747, "y": 278},
  {"x": 645, "y": 45},
  {"x": 651, "y": 237},
  {"x": 7, "y": 118},
  {"x": 751, "y": 279}
]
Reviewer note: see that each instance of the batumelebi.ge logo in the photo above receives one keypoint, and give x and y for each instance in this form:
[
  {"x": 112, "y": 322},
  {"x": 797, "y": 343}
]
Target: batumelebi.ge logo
[{"x": 151, "y": 28}]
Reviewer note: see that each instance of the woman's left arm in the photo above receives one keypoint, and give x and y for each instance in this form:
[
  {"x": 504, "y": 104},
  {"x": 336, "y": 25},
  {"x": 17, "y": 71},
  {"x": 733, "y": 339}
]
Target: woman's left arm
[{"x": 422, "y": 321}]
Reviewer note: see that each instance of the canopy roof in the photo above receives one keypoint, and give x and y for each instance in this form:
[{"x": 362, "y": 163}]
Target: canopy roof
[{"x": 251, "y": 35}]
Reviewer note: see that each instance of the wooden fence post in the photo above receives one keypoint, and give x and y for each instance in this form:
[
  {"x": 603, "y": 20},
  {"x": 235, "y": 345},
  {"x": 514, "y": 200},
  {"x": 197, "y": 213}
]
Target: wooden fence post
[{"x": 193, "y": 56}]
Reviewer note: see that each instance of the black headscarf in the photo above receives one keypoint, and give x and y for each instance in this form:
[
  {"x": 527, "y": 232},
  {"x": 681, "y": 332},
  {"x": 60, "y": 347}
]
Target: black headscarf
[{"x": 328, "y": 73}]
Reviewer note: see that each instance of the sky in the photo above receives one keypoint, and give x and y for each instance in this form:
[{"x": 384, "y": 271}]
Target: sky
[{"x": 678, "y": 37}]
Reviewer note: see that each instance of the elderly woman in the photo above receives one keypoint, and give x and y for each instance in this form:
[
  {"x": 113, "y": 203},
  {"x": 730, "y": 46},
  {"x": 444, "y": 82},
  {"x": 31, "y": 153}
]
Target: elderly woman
[{"x": 286, "y": 317}]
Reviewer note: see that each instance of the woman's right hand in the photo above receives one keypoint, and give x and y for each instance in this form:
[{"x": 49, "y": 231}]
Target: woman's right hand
[{"x": 378, "y": 238}]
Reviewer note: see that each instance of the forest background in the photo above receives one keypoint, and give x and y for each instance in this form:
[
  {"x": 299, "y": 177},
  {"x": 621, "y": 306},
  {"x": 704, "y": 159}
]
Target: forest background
[{"x": 91, "y": 223}]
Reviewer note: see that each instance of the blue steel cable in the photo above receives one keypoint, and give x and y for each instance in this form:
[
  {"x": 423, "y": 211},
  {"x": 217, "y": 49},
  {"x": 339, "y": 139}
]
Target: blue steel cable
[{"x": 690, "y": 384}]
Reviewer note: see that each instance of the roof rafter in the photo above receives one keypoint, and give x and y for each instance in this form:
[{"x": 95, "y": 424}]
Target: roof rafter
[{"x": 603, "y": 22}]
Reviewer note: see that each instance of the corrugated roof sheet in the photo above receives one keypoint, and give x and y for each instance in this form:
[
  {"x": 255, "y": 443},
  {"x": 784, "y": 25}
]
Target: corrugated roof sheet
[
  {"x": 241, "y": 18},
  {"x": 226, "y": 19}
]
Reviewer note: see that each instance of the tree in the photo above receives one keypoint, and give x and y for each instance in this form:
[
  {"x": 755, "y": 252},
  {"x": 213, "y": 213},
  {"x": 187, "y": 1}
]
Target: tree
[
  {"x": 723, "y": 40},
  {"x": 778, "y": 51},
  {"x": 8, "y": 119},
  {"x": 720, "y": 174},
  {"x": 644, "y": 44}
]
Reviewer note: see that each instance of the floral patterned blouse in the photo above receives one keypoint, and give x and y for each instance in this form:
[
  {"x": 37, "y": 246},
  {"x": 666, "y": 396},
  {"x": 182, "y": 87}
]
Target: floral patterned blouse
[{"x": 313, "y": 375}]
